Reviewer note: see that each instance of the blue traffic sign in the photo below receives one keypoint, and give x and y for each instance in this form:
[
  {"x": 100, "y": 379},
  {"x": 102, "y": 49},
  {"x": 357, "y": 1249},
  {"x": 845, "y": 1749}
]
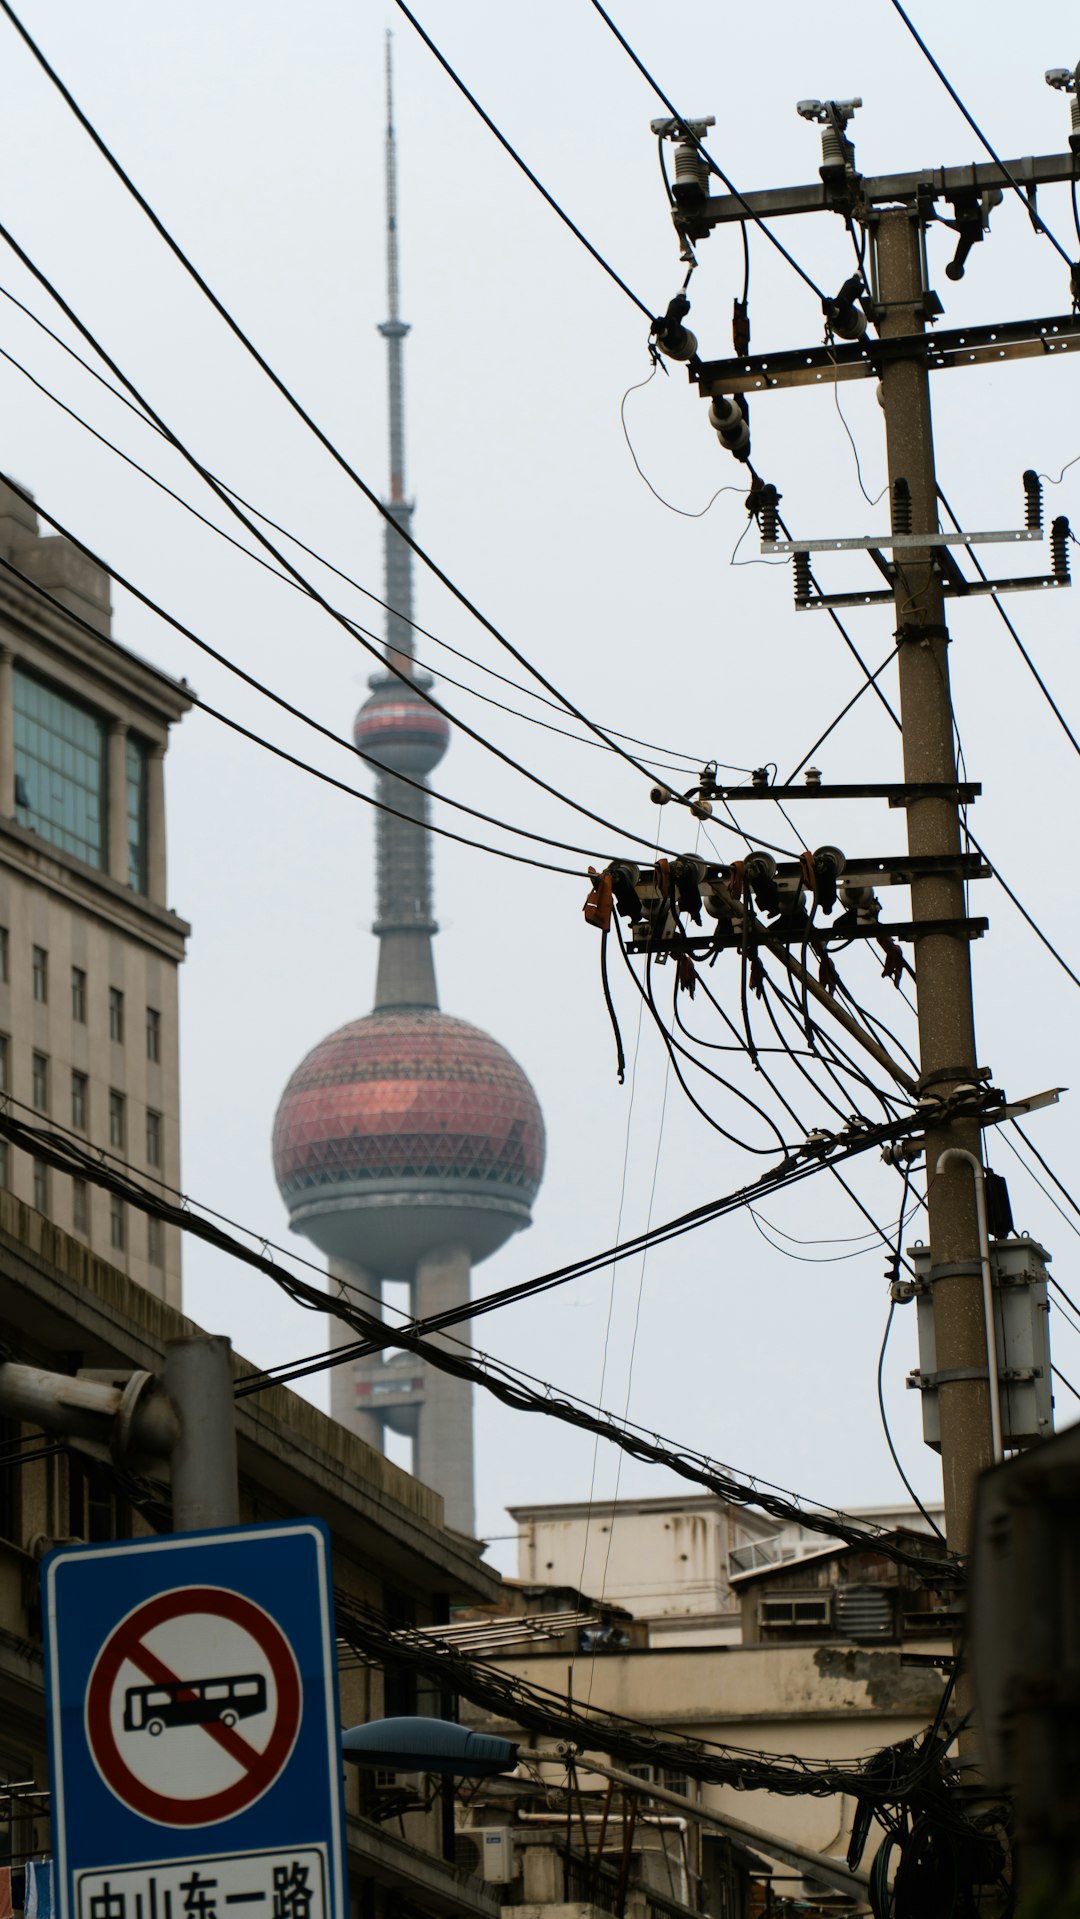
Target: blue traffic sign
[{"x": 194, "y": 1734}]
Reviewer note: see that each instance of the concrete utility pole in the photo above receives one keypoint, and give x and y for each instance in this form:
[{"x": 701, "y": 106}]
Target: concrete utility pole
[{"x": 943, "y": 960}]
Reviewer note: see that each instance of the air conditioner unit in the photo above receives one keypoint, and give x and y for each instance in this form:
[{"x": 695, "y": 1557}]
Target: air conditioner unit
[{"x": 488, "y": 1853}]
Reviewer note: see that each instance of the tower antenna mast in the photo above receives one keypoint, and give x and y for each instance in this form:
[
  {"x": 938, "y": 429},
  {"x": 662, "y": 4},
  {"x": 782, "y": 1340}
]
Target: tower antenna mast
[{"x": 397, "y": 555}]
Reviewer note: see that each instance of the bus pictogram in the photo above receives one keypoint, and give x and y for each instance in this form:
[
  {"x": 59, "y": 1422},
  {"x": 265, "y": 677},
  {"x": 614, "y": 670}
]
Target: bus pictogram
[{"x": 194, "y": 1702}]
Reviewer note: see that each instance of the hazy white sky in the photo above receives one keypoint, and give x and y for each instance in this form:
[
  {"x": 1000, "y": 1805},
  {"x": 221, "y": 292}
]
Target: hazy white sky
[{"x": 256, "y": 129}]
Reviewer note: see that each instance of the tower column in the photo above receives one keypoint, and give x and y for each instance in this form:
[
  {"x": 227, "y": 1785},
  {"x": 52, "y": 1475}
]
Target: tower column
[
  {"x": 443, "y": 1454},
  {"x": 347, "y": 1278}
]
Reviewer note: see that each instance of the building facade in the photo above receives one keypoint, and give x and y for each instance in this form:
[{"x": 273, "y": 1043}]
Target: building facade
[{"x": 89, "y": 950}]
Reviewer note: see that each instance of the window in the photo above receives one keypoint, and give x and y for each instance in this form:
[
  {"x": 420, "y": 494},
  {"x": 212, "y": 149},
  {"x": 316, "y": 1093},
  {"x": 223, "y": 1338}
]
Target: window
[
  {"x": 155, "y": 1241},
  {"x": 153, "y": 1033},
  {"x": 5, "y": 1063},
  {"x": 40, "y": 1077},
  {"x": 137, "y": 759},
  {"x": 41, "y": 1186},
  {"x": 116, "y": 1223},
  {"x": 3, "y": 956},
  {"x": 803, "y": 1612},
  {"x": 116, "y": 1015},
  {"x": 78, "y": 995},
  {"x": 5, "y": 1166},
  {"x": 80, "y": 1206},
  {"x": 59, "y": 768},
  {"x": 117, "y": 1128},
  {"x": 153, "y": 1139},
  {"x": 80, "y": 1101},
  {"x": 41, "y": 974}
]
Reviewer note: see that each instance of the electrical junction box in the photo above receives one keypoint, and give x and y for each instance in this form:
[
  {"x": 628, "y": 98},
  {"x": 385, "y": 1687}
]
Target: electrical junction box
[
  {"x": 488, "y": 1853},
  {"x": 1022, "y": 1316}
]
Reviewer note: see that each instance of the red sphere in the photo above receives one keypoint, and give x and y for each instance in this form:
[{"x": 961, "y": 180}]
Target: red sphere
[{"x": 408, "y": 1112}]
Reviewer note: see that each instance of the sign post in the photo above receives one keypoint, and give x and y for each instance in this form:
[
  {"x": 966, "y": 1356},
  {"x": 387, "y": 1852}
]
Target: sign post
[{"x": 194, "y": 1733}]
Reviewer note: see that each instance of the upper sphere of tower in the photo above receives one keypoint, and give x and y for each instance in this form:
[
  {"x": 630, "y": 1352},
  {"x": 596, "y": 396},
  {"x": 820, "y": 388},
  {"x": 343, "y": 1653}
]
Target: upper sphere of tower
[{"x": 398, "y": 728}]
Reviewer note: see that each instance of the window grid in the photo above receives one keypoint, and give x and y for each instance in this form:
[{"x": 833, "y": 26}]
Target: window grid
[
  {"x": 155, "y": 1241},
  {"x": 116, "y": 1119},
  {"x": 59, "y": 769},
  {"x": 116, "y": 1015},
  {"x": 40, "y": 969},
  {"x": 40, "y": 1079},
  {"x": 153, "y": 1033},
  {"x": 4, "y": 955},
  {"x": 41, "y": 1186},
  {"x": 116, "y": 1223},
  {"x": 153, "y": 1139},
  {"x": 80, "y": 1206},
  {"x": 5, "y": 1166},
  {"x": 78, "y": 995},
  {"x": 5, "y": 1063},
  {"x": 80, "y": 1101}
]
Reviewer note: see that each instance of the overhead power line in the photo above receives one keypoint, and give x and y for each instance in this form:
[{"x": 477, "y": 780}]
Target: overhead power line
[
  {"x": 287, "y": 395},
  {"x": 268, "y": 692},
  {"x": 494, "y": 1376},
  {"x": 292, "y": 759},
  {"x": 1028, "y": 200},
  {"x": 688, "y": 133},
  {"x": 339, "y": 618},
  {"x": 525, "y": 168},
  {"x": 692, "y": 761}
]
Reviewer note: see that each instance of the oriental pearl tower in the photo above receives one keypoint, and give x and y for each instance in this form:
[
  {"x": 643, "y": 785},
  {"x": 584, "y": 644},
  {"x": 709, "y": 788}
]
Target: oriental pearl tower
[{"x": 408, "y": 1145}]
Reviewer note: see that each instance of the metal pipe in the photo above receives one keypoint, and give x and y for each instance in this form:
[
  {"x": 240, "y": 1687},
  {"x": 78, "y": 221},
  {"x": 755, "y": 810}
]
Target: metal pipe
[
  {"x": 816, "y": 1865},
  {"x": 133, "y": 1422},
  {"x": 961, "y": 1152},
  {"x": 198, "y": 1379}
]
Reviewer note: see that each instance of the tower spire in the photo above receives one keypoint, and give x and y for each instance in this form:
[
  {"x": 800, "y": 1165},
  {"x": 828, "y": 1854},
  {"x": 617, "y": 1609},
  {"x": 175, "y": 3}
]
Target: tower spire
[
  {"x": 396, "y": 727},
  {"x": 397, "y": 555}
]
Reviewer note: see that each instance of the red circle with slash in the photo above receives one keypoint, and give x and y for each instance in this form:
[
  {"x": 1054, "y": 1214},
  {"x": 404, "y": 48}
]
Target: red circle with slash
[{"x": 192, "y": 1701}]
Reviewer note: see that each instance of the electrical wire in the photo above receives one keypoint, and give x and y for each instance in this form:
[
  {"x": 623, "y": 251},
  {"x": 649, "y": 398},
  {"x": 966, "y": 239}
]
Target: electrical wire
[
  {"x": 482, "y": 1369},
  {"x": 1048, "y": 1170},
  {"x": 508, "y": 1697},
  {"x": 1022, "y": 910},
  {"x": 278, "y": 699},
  {"x": 1027, "y": 200},
  {"x": 684, "y": 512},
  {"x": 848, "y": 642},
  {"x": 1045, "y": 1190},
  {"x": 279, "y": 752},
  {"x": 870, "y": 499},
  {"x": 519, "y": 162},
  {"x": 869, "y": 681},
  {"x": 488, "y": 699},
  {"x": 692, "y": 760},
  {"x": 386, "y": 661},
  {"x": 1065, "y": 1382},
  {"x": 712, "y": 165},
  {"x": 1025, "y": 655},
  {"x": 286, "y": 394}
]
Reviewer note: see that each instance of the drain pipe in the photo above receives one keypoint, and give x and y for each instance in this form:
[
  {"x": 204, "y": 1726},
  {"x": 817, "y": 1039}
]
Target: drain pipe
[{"x": 994, "y": 1378}]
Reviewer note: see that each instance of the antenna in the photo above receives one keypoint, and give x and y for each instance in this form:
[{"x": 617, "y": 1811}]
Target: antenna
[{"x": 398, "y": 557}]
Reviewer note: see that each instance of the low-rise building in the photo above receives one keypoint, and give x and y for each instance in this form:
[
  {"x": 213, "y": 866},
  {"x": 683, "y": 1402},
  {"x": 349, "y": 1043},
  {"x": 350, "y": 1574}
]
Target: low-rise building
[{"x": 63, "y": 1308}]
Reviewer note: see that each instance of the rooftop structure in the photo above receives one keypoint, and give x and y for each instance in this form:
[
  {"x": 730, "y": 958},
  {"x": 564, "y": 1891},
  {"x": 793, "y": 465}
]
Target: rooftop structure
[{"x": 408, "y": 1145}]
